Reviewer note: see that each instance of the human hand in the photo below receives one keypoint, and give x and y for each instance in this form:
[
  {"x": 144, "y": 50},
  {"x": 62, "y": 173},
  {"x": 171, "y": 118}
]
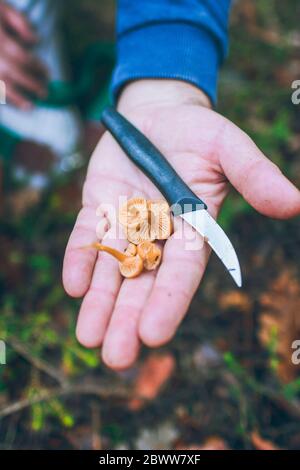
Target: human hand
[
  {"x": 206, "y": 150},
  {"x": 20, "y": 71}
]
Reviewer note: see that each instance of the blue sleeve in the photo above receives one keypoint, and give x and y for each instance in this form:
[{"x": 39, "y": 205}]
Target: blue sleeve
[{"x": 179, "y": 39}]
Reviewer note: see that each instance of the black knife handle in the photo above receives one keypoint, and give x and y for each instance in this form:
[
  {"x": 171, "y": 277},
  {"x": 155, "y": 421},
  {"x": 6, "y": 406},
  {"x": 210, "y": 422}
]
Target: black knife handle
[{"x": 148, "y": 158}]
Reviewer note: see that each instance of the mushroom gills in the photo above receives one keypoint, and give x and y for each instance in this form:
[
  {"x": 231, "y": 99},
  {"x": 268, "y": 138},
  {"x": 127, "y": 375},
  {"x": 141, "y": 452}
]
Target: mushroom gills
[
  {"x": 160, "y": 219},
  {"x": 144, "y": 220}
]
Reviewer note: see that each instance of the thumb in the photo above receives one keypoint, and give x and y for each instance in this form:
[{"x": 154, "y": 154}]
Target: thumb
[{"x": 258, "y": 179}]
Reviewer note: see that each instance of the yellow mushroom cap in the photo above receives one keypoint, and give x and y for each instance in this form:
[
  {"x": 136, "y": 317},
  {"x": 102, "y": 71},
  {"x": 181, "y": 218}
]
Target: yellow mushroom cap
[
  {"x": 132, "y": 266},
  {"x": 150, "y": 253},
  {"x": 160, "y": 220}
]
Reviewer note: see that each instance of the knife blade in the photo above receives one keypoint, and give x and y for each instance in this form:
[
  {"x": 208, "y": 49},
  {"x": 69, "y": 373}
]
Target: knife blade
[
  {"x": 215, "y": 236},
  {"x": 183, "y": 201}
]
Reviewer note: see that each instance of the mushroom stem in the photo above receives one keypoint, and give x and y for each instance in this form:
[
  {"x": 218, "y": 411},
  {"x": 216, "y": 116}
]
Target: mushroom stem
[{"x": 112, "y": 251}]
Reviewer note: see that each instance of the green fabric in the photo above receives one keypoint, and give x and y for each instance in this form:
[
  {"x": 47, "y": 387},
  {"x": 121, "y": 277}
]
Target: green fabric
[
  {"x": 8, "y": 141},
  {"x": 67, "y": 93}
]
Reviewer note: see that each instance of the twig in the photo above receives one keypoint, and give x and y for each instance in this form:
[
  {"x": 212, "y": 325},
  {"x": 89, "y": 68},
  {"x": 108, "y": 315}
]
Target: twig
[
  {"x": 96, "y": 425},
  {"x": 291, "y": 407},
  {"x": 40, "y": 364},
  {"x": 91, "y": 388}
]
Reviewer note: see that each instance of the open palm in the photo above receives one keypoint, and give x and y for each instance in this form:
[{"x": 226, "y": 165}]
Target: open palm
[{"x": 206, "y": 150}]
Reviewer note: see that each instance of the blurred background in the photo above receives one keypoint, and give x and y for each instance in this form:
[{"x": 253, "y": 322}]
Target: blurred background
[{"x": 227, "y": 379}]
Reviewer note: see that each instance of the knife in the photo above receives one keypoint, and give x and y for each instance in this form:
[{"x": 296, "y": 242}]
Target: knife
[{"x": 183, "y": 201}]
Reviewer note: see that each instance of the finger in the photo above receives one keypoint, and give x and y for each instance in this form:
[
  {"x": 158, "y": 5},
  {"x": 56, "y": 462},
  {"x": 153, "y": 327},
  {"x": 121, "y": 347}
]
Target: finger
[
  {"x": 37, "y": 69},
  {"x": 121, "y": 343},
  {"x": 79, "y": 263},
  {"x": 17, "y": 22},
  {"x": 13, "y": 49},
  {"x": 17, "y": 99},
  {"x": 258, "y": 179},
  {"x": 98, "y": 303},
  {"x": 24, "y": 80},
  {"x": 176, "y": 282},
  {"x": 15, "y": 53}
]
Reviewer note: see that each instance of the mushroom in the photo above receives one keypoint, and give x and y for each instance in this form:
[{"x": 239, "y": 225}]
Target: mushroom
[
  {"x": 131, "y": 250},
  {"x": 160, "y": 220},
  {"x": 130, "y": 266},
  {"x": 134, "y": 216},
  {"x": 150, "y": 253}
]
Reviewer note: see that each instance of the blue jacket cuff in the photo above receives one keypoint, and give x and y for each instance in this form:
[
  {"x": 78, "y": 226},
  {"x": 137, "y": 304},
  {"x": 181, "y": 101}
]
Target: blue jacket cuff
[{"x": 168, "y": 51}]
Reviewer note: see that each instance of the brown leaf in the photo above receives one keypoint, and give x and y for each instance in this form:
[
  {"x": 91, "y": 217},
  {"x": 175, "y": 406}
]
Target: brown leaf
[
  {"x": 235, "y": 300},
  {"x": 20, "y": 201},
  {"x": 211, "y": 443},
  {"x": 279, "y": 318},
  {"x": 153, "y": 375},
  {"x": 259, "y": 443},
  {"x": 11, "y": 261}
]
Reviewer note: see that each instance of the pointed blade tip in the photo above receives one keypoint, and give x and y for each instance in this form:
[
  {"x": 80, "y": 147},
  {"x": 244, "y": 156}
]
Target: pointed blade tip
[
  {"x": 237, "y": 277},
  {"x": 203, "y": 224}
]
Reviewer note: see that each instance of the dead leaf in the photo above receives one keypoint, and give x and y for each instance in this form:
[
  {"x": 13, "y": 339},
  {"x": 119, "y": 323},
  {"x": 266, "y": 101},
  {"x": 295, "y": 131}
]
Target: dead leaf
[
  {"x": 154, "y": 373},
  {"x": 22, "y": 200},
  {"x": 280, "y": 321},
  {"x": 235, "y": 300},
  {"x": 259, "y": 443},
  {"x": 211, "y": 443}
]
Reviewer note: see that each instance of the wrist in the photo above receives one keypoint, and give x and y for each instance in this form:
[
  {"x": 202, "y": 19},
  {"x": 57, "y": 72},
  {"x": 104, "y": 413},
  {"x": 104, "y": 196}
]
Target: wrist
[{"x": 157, "y": 92}]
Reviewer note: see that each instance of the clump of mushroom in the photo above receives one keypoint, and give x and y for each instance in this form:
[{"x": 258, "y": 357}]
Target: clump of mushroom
[
  {"x": 143, "y": 222},
  {"x": 135, "y": 258}
]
